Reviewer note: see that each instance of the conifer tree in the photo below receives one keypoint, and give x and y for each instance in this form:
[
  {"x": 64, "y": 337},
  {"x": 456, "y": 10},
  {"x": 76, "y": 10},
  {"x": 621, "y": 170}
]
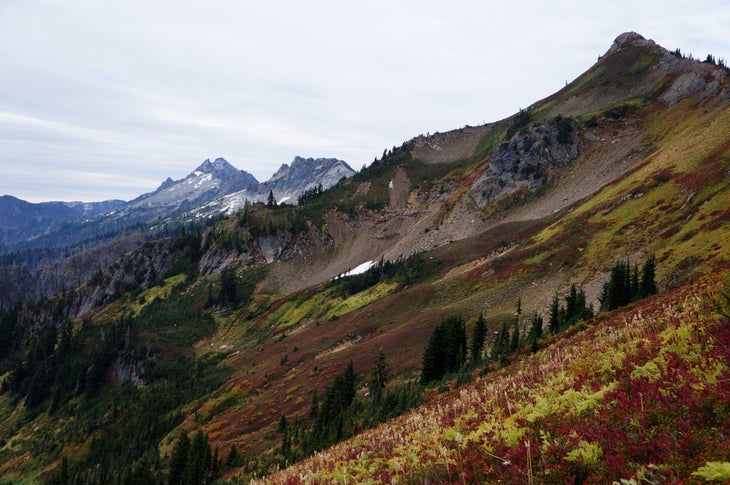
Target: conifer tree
[
  {"x": 433, "y": 355},
  {"x": 554, "y": 322},
  {"x": 314, "y": 407},
  {"x": 478, "y": 338},
  {"x": 378, "y": 377},
  {"x": 179, "y": 459},
  {"x": 232, "y": 459},
  {"x": 271, "y": 201},
  {"x": 501, "y": 340},
  {"x": 571, "y": 303},
  {"x": 446, "y": 349},
  {"x": 535, "y": 331},
  {"x": 197, "y": 469},
  {"x": 648, "y": 283},
  {"x": 634, "y": 285},
  {"x": 514, "y": 342}
]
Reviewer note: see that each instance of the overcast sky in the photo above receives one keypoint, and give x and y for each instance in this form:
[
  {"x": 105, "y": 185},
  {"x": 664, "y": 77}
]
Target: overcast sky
[{"x": 105, "y": 99}]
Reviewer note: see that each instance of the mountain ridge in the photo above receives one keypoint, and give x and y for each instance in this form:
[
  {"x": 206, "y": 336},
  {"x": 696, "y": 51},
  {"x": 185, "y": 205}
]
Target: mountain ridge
[
  {"x": 248, "y": 315},
  {"x": 202, "y": 190}
]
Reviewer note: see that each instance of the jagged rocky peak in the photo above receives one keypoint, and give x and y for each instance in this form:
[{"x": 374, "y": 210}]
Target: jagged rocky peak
[
  {"x": 167, "y": 183},
  {"x": 219, "y": 167},
  {"x": 305, "y": 167}
]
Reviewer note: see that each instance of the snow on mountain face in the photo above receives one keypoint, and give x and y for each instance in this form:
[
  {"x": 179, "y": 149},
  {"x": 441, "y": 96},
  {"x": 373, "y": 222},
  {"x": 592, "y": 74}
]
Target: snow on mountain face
[
  {"x": 287, "y": 183},
  {"x": 207, "y": 182}
]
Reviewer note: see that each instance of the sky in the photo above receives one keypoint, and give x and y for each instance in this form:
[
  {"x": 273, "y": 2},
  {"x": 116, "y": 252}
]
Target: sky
[{"x": 105, "y": 100}]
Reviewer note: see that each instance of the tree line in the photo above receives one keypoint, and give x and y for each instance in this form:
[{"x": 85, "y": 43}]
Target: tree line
[{"x": 447, "y": 348}]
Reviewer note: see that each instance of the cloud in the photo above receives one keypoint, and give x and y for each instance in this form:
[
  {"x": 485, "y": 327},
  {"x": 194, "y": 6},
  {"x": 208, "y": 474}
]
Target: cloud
[{"x": 138, "y": 91}]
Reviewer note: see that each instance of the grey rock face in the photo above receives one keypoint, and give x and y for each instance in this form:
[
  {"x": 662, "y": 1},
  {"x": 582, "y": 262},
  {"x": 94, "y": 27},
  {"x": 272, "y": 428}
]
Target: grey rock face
[
  {"x": 290, "y": 181},
  {"x": 527, "y": 159}
]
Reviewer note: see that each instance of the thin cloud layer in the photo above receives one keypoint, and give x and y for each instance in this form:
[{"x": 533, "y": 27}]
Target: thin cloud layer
[{"x": 104, "y": 100}]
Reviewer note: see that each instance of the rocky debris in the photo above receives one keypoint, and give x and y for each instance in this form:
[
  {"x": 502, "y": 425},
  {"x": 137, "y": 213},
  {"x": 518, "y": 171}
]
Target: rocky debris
[
  {"x": 448, "y": 147},
  {"x": 526, "y": 160},
  {"x": 623, "y": 199},
  {"x": 399, "y": 189}
]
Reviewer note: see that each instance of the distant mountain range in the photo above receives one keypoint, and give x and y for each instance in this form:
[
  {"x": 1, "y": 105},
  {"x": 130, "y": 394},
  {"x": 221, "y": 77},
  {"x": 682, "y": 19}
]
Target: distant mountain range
[
  {"x": 212, "y": 188},
  {"x": 286, "y": 185}
]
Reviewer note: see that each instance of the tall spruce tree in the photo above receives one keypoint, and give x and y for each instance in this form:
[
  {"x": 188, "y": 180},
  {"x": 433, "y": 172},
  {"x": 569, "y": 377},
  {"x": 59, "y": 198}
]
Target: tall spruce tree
[
  {"x": 197, "y": 470},
  {"x": 554, "y": 322},
  {"x": 445, "y": 351},
  {"x": 648, "y": 283},
  {"x": 501, "y": 342},
  {"x": 535, "y": 331},
  {"x": 478, "y": 338},
  {"x": 179, "y": 460},
  {"x": 378, "y": 377},
  {"x": 271, "y": 201}
]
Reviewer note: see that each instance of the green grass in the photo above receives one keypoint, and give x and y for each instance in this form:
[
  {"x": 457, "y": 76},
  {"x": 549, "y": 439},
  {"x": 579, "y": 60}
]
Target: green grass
[
  {"x": 359, "y": 300},
  {"x": 161, "y": 292}
]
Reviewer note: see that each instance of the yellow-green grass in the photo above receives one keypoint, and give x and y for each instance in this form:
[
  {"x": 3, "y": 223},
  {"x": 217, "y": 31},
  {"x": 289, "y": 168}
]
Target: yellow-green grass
[
  {"x": 359, "y": 300},
  {"x": 660, "y": 205},
  {"x": 162, "y": 292}
]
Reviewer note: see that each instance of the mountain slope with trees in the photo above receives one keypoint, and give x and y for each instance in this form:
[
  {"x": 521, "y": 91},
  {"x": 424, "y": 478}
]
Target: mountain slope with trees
[{"x": 510, "y": 289}]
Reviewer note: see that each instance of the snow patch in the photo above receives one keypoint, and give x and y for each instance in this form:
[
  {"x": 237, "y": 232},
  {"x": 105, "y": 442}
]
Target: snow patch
[{"x": 360, "y": 269}]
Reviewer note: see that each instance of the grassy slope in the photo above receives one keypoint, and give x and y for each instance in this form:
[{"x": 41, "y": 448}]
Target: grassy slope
[
  {"x": 641, "y": 393},
  {"x": 687, "y": 232},
  {"x": 483, "y": 273}
]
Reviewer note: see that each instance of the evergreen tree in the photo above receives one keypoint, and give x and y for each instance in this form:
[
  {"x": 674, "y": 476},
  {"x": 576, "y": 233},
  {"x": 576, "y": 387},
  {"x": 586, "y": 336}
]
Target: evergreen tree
[
  {"x": 233, "y": 458},
  {"x": 282, "y": 424},
  {"x": 378, "y": 377},
  {"x": 554, "y": 322},
  {"x": 286, "y": 438},
  {"x": 271, "y": 201},
  {"x": 229, "y": 286},
  {"x": 535, "y": 331},
  {"x": 571, "y": 304},
  {"x": 455, "y": 345},
  {"x": 625, "y": 286},
  {"x": 634, "y": 286},
  {"x": 446, "y": 349},
  {"x": 514, "y": 341},
  {"x": 179, "y": 459},
  {"x": 197, "y": 471},
  {"x": 348, "y": 385},
  {"x": 616, "y": 291},
  {"x": 433, "y": 355},
  {"x": 648, "y": 283},
  {"x": 478, "y": 338},
  {"x": 314, "y": 407},
  {"x": 501, "y": 342}
]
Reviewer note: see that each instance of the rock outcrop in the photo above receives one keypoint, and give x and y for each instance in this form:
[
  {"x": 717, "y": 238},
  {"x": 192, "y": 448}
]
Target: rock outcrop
[{"x": 526, "y": 160}]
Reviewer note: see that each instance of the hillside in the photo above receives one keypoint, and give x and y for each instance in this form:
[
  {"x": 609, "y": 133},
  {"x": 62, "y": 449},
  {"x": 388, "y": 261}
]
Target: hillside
[
  {"x": 639, "y": 394},
  {"x": 239, "y": 331}
]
